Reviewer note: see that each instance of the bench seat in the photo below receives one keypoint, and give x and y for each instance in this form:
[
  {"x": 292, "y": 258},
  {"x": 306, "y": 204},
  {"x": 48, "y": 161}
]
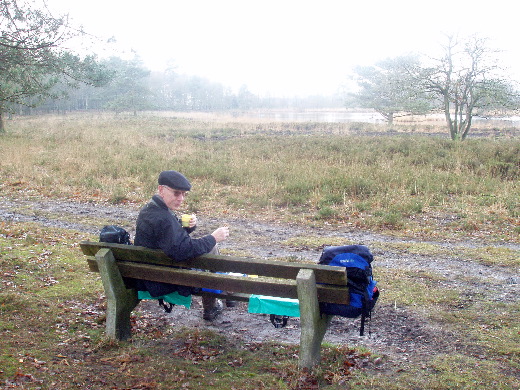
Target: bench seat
[{"x": 309, "y": 283}]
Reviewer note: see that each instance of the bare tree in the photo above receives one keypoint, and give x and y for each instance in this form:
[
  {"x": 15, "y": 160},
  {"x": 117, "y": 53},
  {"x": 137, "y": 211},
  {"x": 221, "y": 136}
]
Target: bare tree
[{"x": 467, "y": 81}]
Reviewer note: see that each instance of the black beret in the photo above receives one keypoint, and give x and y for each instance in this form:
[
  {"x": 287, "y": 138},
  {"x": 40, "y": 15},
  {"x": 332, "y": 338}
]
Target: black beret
[{"x": 174, "y": 179}]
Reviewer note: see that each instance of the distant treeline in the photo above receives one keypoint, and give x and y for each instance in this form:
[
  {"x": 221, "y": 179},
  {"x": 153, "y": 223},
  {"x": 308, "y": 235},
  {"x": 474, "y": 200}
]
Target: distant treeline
[{"x": 135, "y": 88}]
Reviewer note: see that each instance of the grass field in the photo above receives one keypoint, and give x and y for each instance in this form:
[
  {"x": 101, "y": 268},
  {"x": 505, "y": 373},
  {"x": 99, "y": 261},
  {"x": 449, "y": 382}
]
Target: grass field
[
  {"x": 303, "y": 172},
  {"x": 403, "y": 183}
]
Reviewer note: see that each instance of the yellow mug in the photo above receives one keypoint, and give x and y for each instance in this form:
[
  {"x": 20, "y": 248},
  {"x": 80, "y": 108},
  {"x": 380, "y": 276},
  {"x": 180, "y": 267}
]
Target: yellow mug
[{"x": 185, "y": 220}]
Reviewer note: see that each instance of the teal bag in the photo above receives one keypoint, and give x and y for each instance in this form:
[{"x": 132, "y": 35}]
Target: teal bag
[
  {"x": 263, "y": 304},
  {"x": 173, "y": 298}
]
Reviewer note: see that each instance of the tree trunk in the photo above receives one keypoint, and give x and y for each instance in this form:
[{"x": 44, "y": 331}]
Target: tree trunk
[
  {"x": 447, "y": 116},
  {"x": 467, "y": 127},
  {"x": 452, "y": 125},
  {"x": 2, "y": 125}
]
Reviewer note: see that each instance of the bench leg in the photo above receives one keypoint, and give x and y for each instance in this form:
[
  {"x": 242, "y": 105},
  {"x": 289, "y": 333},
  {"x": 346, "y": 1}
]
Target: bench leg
[
  {"x": 313, "y": 325},
  {"x": 120, "y": 300}
]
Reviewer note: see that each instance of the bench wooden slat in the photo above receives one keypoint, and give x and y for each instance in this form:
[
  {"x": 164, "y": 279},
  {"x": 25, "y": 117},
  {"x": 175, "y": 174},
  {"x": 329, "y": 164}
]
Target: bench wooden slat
[
  {"x": 218, "y": 263},
  {"x": 283, "y": 288}
]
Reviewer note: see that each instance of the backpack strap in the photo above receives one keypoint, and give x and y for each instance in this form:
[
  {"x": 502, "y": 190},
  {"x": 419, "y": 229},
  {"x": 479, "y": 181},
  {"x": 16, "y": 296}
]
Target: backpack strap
[
  {"x": 365, "y": 313},
  {"x": 362, "y": 328},
  {"x": 278, "y": 321}
]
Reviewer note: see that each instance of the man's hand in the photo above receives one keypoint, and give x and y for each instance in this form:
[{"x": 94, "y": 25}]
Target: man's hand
[
  {"x": 193, "y": 221},
  {"x": 221, "y": 234}
]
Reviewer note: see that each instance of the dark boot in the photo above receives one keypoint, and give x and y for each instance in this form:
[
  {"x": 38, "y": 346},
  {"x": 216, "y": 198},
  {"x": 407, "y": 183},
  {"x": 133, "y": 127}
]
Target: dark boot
[{"x": 230, "y": 303}]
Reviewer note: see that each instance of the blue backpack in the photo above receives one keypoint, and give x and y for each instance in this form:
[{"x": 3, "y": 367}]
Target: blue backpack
[{"x": 363, "y": 292}]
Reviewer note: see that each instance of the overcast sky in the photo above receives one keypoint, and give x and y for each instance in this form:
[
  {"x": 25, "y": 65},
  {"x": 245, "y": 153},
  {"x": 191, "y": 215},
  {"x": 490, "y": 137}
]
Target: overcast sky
[{"x": 287, "y": 47}]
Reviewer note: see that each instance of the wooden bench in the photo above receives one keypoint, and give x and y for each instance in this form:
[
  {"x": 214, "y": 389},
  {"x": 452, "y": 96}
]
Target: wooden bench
[{"x": 309, "y": 283}]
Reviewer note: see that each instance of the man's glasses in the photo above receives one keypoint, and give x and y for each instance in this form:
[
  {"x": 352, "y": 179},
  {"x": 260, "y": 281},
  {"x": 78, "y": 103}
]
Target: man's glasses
[{"x": 177, "y": 193}]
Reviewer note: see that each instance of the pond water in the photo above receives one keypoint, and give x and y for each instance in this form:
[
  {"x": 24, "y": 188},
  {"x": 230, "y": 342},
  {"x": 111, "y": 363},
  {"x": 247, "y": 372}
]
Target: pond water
[
  {"x": 342, "y": 116},
  {"x": 327, "y": 116},
  {"x": 339, "y": 116}
]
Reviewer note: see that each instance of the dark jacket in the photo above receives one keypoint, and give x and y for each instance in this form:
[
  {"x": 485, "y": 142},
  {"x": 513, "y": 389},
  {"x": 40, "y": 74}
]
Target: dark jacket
[{"x": 158, "y": 228}]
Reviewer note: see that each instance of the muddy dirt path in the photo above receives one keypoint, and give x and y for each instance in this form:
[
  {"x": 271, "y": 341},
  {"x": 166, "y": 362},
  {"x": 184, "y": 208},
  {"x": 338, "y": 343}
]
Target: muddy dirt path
[{"x": 402, "y": 336}]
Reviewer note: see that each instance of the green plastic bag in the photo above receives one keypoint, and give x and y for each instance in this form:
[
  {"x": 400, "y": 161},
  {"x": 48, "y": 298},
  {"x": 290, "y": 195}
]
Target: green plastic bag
[
  {"x": 263, "y": 304},
  {"x": 174, "y": 298}
]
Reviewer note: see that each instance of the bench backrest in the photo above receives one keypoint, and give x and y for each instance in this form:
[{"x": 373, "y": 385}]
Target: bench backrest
[{"x": 276, "y": 278}]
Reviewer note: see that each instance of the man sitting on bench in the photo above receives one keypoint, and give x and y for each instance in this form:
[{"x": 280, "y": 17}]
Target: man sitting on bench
[{"x": 159, "y": 228}]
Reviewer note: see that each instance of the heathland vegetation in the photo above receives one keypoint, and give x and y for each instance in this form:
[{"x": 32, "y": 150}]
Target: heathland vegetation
[{"x": 340, "y": 173}]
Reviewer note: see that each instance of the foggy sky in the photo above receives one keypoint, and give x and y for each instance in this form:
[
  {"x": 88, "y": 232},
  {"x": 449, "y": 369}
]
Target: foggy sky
[{"x": 288, "y": 47}]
